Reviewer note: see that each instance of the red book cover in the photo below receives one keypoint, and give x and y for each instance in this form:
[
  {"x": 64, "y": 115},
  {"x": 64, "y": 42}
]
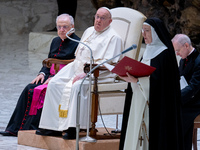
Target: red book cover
[{"x": 133, "y": 67}]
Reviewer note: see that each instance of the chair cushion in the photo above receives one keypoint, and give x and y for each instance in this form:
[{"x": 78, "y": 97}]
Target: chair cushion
[
  {"x": 111, "y": 102},
  {"x": 120, "y": 86}
]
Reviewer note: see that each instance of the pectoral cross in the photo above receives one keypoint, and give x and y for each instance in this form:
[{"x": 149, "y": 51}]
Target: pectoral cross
[{"x": 141, "y": 140}]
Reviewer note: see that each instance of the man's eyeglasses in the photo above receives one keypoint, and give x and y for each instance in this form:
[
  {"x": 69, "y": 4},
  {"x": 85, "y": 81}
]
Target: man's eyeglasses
[
  {"x": 64, "y": 27},
  {"x": 180, "y": 48},
  {"x": 101, "y": 18}
]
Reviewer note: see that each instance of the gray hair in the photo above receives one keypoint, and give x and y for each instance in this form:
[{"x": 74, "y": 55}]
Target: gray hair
[
  {"x": 66, "y": 15},
  {"x": 181, "y": 39}
]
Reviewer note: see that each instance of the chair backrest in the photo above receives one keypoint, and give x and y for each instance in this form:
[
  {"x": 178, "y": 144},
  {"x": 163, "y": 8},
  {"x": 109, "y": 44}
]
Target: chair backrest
[{"x": 127, "y": 23}]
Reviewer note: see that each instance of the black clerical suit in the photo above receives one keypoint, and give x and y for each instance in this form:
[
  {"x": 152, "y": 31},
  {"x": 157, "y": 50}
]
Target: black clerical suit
[
  {"x": 190, "y": 95},
  {"x": 20, "y": 119}
]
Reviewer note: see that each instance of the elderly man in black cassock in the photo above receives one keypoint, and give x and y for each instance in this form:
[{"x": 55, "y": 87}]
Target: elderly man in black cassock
[{"x": 61, "y": 48}]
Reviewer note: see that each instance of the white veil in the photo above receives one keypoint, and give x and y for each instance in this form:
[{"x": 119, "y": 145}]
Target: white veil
[{"x": 155, "y": 47}]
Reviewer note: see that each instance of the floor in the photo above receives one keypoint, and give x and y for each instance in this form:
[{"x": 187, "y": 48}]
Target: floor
[{"x": 15, "y": 73}]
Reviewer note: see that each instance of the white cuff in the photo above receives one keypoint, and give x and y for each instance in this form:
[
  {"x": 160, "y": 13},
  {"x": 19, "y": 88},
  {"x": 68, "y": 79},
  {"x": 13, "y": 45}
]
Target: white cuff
[{"x": 42, "y": 73}]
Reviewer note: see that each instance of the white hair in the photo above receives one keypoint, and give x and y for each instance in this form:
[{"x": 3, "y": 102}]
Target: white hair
[
  {"x": 66, "y": 15},
  {"x": 181, "y": 39}
]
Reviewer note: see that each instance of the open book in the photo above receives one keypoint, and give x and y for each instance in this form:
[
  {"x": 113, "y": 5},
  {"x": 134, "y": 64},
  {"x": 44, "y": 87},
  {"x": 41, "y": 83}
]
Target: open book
[{"x": 133, "y": 67}]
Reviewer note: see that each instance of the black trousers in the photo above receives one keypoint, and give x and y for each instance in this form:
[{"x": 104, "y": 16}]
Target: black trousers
[{"x": 20, "y": 119}]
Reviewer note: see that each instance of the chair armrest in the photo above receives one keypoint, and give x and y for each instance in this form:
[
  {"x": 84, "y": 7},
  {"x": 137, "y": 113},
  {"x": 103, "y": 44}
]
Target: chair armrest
[
  {"x": 49, "y": 61},
  {"x": 101, "y": 68},
  {"x": 87, "y": 68}
]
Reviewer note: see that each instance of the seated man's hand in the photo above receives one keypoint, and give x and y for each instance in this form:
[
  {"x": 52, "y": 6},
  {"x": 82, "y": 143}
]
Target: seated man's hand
[
  {"x": 78, "y": 77},
  {"x": 129, "y": 78},
  {"x": 38, "y": 78},
  {"x": 47, "y": 81}
]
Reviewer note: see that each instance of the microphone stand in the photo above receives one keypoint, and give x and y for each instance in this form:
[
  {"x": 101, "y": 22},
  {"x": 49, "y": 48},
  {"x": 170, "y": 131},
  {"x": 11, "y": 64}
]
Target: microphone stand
[{"x": 87, "y": 138}]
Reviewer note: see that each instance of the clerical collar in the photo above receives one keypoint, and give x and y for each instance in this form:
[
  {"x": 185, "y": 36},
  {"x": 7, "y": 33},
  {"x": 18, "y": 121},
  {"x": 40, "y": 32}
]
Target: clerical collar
[
  {"x": 103, "y": 29},
  {"x": 191, "y": 52}
]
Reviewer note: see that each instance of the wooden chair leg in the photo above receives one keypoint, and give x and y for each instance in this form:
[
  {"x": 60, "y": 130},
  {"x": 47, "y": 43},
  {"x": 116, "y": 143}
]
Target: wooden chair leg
[
  {"x": 94, "y": 111},
  {"x": 94, "y": 114},
  {"x": 194, "y": 139}
]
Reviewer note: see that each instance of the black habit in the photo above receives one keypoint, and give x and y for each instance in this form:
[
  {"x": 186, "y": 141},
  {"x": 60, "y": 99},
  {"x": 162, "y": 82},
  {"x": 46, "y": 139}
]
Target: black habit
[
  {"x": 190, "y": 95},
  {"x": 165, "y": 121},
  {"x": 20, "y": 119}
]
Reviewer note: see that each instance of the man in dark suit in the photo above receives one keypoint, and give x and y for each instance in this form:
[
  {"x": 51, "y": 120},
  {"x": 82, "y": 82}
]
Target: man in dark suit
[{"x": 190, "y": 94}]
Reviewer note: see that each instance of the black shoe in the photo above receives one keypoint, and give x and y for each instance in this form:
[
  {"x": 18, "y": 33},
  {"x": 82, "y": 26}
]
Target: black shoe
[
  {"x": 6, "y": 133},
  {"x": 46, "y": 132},
  {"x": 70, "y": 134}
]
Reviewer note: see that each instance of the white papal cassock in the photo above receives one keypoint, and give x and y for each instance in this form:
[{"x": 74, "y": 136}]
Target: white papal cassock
[{"x": 60, "y": 90}]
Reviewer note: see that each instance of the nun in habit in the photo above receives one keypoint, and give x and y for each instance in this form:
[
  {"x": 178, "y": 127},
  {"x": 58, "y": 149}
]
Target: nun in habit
[{"x": 152, "y": 111}]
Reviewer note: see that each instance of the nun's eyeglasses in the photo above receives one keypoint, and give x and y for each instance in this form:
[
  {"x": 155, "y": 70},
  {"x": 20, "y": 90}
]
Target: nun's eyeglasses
[{"x": 145, "y": 30}]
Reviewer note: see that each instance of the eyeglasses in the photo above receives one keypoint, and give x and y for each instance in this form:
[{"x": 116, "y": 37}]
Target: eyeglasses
[
  {"x": 64, "y": 27},
  {"x": 145, "y": 31},
  {"x": 101, "y": 18},
  {"x": 178, "y": 50}
]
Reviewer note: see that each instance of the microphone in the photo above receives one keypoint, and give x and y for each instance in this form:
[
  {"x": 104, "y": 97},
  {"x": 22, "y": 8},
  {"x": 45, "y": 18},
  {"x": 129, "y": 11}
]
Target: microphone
[
  {"x": 72, "y": 30},
  {"x": 87, "y": 138},
  {"x": 134, "y": 46}
]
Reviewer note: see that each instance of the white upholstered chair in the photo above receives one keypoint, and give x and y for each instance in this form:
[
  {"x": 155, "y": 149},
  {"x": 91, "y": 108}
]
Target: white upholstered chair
[{"x": 127, "y": 23}]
